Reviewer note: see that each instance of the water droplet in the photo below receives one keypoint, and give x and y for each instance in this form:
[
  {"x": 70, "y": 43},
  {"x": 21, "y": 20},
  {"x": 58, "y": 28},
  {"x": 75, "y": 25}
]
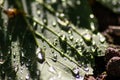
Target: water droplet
[
  {"x": 86, "y": 68},
  {"x": 92, "y": 25},
  {"x": 80, "y": 78},
  {"x": 1, "y": 58},
  {"x": 16, "y": 68},
  {"x": 69, "y": 32},
  {"x": 27, "y": 77},
  {"x": 62, "y": 15},
  {"x": 45, "y": 21},
  {"x": 38, "y": 12},
  {"x": 14, "y": 55},
  {"x": 54, "y": 24},
  {"x": 27, "y": 64},
  {"x": 93, "y": 43},
  {"x": 2, "y": 61},
  {"x": 93, "y": 49},
  {"x": 52, "y": 69},
  {"x": 76, "y": 72},
  {"x": 40, "y": 55},
  {"x": 64, "y": 22},
  {"x": 54, "y": 43},
  {"x": 87, "y": 37},
  {"x": 54, "y": 57},
  {"x": 91, "y": 15},
  {"x": 63, "y": 38},
  {"x": 77, "y": 41},
  {"x": 101, "y": 38},
  {"x": 22, "y": 54},
  {"x": 71, "y": 38}
]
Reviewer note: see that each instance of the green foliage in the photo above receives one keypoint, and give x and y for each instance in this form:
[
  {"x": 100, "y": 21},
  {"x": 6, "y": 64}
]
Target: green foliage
[{"x": 48, "y": 41}]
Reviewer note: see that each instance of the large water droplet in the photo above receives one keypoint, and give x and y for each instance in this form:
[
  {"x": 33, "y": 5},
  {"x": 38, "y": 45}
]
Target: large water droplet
[
  {"x": 40, "y": 55},
  {"x": 87, "y": 37}
]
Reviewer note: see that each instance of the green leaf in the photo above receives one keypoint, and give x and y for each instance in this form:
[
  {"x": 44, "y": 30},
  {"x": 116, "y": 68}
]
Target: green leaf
[{"x": 46, "y": 44}]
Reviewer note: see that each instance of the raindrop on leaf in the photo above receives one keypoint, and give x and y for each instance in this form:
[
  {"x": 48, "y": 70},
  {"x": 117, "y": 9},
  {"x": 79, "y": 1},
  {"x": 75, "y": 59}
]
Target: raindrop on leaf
[
  {"x": 45, "y": 21},
  {"x": 101, "y": 37},
  {"x": 71, "y": 38},
  {"x": 86, "y": 68},
  {"x": 27, "y": 77},
  {"x": 54, "y": 24},
  {"x": 40, "y": 55},
  {"x": 63, "y": 38},
  {"x": 76, "y": 72},
  {"x": 87, "y": 37},
  {"x": 54, "y": 57}
]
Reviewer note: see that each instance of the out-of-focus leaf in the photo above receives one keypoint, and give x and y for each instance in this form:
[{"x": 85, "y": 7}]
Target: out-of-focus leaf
[
  {"x": 114, "y": 5},
  {"x": 47, "y": 44}
]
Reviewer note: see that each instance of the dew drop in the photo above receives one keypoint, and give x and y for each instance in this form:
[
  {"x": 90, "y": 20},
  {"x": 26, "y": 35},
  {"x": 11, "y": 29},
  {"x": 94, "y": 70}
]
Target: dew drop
[
  {"x": 80, "y": 78},
  {"x": 69, "y": 32},
  {"x": 16, "y": 68},
  {"x": 63, "y": 38},
  {"x": 93, "y": 49},
  {"x": 27, "y": 64},
  {"x": 54, "y": 24},
  {"x": 92, "y": 25},
  {"x": 27, "y": 77},
  {"x": 87, "y": 37},
  {"x": 101, "y": 38},
  {"x": 54, "y": 43},
  {"x": 71, "y": 38},
  {"x": 54, "y": 57},
  {"x": 93, "y": 43},
  {"x": 86, "y": 68},
  {"x": 45, "y": 21},
  {"x": 76, "y": 72},
  {"x": 76, "y": 41},
  {"x": 1, "y": 59},
  {"x": 38, "y": 12},
  {"x": 91, "y": 16},
  {"x": 62, "y": 15},
  {"x": 22, "y": 54},
  {"x": 40, "y": 55}
]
